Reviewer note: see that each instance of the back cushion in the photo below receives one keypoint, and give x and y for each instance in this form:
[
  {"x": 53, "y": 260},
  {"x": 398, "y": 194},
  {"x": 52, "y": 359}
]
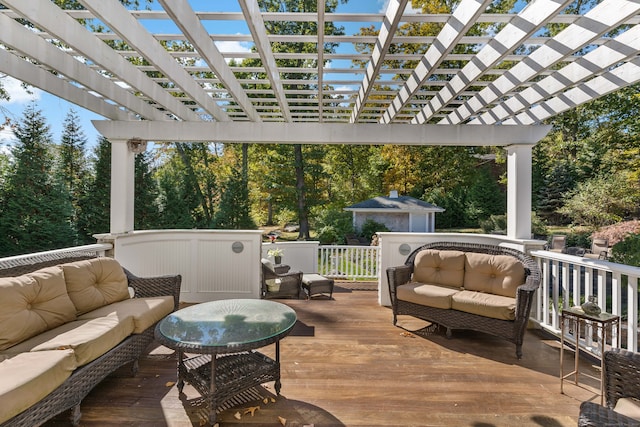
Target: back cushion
[
  {"x": 495, "y": 274},
  {"x": 95, "y": 283},
  {"x": 33, "y": 303},
  {"x": 439, "y": 267}
]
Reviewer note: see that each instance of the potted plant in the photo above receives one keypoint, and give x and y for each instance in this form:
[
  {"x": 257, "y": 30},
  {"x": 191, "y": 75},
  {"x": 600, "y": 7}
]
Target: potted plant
[{"x": 276, "y": 254}]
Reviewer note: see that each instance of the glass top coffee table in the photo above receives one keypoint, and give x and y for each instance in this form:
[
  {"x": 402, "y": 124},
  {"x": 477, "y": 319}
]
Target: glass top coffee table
[{"x": 220, "y": 337}]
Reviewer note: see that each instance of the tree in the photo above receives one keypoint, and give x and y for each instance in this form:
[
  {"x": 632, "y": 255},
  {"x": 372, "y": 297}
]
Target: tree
[
  {"x": 147, "y": 214},
  {"x": 35, "y": 211},
  {"x": 233, "y": 211},
  {"x": 72, "y": 163},
  {"x": 94, "y": 205}
]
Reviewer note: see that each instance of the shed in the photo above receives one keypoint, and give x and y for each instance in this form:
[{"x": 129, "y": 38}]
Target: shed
[{"x": 397, "y": 213}]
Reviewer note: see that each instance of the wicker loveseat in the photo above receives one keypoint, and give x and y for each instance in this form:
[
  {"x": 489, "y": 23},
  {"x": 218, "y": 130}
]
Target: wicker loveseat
[
  {"x": 66, "y": 324},
  {"x": 621, "y": 393},
  {"x": 484, "y": 288}
]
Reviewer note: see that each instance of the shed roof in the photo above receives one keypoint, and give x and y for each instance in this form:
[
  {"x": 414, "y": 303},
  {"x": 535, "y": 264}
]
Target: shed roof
[{"x": 400, "y": 203}]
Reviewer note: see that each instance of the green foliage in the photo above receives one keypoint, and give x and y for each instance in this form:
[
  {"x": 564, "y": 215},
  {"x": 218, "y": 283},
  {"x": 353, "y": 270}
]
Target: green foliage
[
  {"x": 601, "y": 201},
  {"x": 329, "y": 235},
  {"x": 35, "y": 211},
  {"x": 94, "y": 204},
  {"x": 333, "y": 225},
  {"x": 146, "y": 213},
  {"x": 485, "y": 198},
  {"x": 233, "y": 212},
  {"x": 538, "y": 225},
  {"x": 627, "y": 251},
  {"x": 371, "y": 227},
  {"x": 286, "y": 216},
  {"x": 495, "y": 224}
]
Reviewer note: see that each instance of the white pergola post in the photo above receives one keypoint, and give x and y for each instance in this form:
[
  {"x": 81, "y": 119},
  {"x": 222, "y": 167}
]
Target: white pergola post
[
  {"x": 519, "y": 191},
  {"x": 122, "y": 186}
]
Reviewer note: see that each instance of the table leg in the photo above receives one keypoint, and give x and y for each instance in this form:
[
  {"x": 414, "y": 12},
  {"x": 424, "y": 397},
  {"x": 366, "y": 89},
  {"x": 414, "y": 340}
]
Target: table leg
[
  {"x": 603, "y": 341},
  {"x": 278, "y": 384},
  {"x": 562, "y": 319},
  {"x": 211, "y": 398},
  {"x": 577, "y": 361},
  {"x": 180, "y": 356}
]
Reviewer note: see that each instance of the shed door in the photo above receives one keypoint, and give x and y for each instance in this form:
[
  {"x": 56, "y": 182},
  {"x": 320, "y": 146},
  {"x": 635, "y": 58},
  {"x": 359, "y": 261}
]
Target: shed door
[{"x": 418, "y": 223}]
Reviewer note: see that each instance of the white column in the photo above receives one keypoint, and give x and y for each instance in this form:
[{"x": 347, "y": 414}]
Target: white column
[
  {"x": 122, "y": 187},
  {"x": 519, "y": 191}
]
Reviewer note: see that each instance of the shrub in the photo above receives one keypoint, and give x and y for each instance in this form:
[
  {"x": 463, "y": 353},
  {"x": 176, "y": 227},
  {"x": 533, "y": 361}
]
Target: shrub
[
  {"x": 371, "y": 227},
  {"x": 496, "y": 224},
  {"x": 328, "y": 235},
  {"x": 627, "y": 251}
]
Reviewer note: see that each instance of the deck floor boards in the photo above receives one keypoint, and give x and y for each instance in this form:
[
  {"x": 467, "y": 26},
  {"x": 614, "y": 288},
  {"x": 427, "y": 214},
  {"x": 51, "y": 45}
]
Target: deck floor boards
[{"x": 345, "y": 364}]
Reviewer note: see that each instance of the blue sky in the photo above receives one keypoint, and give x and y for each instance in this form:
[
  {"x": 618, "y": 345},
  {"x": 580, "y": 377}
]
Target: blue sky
[{"x": 55, "y": 109}]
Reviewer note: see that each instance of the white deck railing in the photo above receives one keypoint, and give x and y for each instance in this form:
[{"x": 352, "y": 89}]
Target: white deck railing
[
  {"x": 348, "y": 262},
  {"x": 569, "y": 280}
]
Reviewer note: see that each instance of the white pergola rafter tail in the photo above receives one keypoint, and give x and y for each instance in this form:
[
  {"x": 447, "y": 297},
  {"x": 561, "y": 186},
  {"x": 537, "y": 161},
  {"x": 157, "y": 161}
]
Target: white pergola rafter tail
[
  {"x": 49, "y": 17},
  {"x": 322, "y": 133},
  {"x": 253, "y": 17},
  {"x": 394, "y": 12},
  {"x": 598, "y": 21},
  {"x": 320, "y": 5},
  {"x": 620, "y": 49},
  {"x": 462, "y": 19},
  {"x": 184, "y": 16},
  {"x": 36, "y": 76},
  {"x": 119, "y": 20},
  {"x": 624, "y": 75},
  {"x": 28, "y": 42},
  {"x": 528, "y": 21}
]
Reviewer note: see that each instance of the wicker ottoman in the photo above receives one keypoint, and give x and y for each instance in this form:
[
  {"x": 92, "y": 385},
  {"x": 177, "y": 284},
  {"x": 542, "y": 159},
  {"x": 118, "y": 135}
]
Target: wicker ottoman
[{"x": 315, "y": 284}]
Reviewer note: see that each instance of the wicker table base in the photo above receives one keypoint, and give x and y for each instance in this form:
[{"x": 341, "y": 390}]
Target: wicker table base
[{"x": 234, "y": 374}]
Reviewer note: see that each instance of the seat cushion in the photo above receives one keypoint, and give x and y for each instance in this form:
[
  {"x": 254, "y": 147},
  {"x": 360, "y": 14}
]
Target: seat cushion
[
  {"x": 95, "y": 283},
  {"x": 89, "y": 338},
  {"x": 29, "y": 377},
  {"x": 628, "y": 406},
  {"x": 144, "y": 311},
  {"x": 487, "y": 305},
  {"x": 425, "y": 294},
  {"x": 33, "y": 303},
  {"x": 436, "y": 267},
  {"x": 494, "y": 274}
]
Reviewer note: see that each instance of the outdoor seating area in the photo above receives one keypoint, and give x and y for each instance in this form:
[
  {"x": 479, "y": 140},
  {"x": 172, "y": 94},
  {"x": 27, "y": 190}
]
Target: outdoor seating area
[
  {"x": 345, "y": 364},
  {"x": 68, "y": 324}
]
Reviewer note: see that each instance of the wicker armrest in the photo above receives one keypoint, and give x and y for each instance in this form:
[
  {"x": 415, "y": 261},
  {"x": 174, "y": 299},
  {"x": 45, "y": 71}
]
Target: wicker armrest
[
  {"x": 156, "y": 286},
  {"x": 397, "y": 276},
  {"x": 622, "y": 375}
]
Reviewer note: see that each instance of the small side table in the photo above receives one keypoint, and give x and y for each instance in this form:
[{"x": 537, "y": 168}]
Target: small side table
[
  {"x": 605, "y": 325},
  {"x": 281, "y": 268}
]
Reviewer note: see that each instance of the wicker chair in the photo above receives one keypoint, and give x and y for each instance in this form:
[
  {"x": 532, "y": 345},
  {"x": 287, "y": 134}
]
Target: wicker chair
[
  {"x": 280, "y": 285},
  {"x": 511, "y": 330},
  {"x": 621, "y": 379}
]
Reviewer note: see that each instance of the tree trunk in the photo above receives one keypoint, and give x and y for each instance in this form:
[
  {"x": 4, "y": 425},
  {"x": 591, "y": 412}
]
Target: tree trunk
[{"x": 303, "y": 233}]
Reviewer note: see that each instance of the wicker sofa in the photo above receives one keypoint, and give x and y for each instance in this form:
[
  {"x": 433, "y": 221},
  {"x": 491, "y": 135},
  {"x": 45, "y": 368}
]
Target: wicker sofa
[
  {"x": 479, "y": 287},
  {"x": 621, "y": 392},
  {"x": 65, "y": 324}
]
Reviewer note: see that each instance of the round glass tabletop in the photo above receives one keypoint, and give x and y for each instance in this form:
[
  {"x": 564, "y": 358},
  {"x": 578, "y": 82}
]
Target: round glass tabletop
[{"x": 226, "y": 325}]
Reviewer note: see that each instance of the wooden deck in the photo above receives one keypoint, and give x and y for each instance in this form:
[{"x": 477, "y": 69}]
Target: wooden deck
[{"x": 345, "y": 364}]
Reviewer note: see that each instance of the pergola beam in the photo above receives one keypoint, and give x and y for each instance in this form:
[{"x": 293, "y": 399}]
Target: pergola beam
[
  {"x": 322, "y": 133},
  {"x": 184, "y": 16},
  {"x": 528, "y": 22},
  {"x": 598, "y": 21},
  {"x": 394, "y": 12},
  {"x": 119, "y": 20}
]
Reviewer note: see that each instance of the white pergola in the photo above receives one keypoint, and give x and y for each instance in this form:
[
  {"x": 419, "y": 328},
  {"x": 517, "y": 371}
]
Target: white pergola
[{"x": 497, "y": 97}]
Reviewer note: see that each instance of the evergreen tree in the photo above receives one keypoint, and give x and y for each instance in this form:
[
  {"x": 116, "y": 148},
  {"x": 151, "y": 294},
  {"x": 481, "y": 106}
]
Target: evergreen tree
[
  {"x": 72, "y": 163},
  {"x": 485, "y": 197},
  {"x": 551, "y": 196},
  {"x": 35, "y": 210},
  {"x": 147, "y": 214},
  {"x": 233, "y": 211},
  {"x": 94, "y": 204}
]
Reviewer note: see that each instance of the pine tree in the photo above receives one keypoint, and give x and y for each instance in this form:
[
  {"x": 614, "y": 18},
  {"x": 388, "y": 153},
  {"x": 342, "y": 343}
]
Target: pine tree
[
  {"x": 233, "y": 211},
  {"x": 94, "y": 204},
  {"x": 72, "y": 163},
  {"x": 146, "y": 215},
  {"x": 35, "y": 210}
]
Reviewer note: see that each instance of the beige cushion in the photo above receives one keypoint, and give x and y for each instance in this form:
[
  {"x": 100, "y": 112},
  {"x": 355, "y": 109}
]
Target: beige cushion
[
  {"x": 425, "y": 294},
  {"x": 629, "y": 407},
  {"x": 144, "y": 311},
  {"x": 89, "y": 338},
  {"x": 439, "y": 267},
  {"x": 494, "y": 274},
  {"x": 33, "y": 303},
  {"x": 94, "y": 283},
  {"x": 487, "y": 305},
  {"x": 29, "y": 377}
]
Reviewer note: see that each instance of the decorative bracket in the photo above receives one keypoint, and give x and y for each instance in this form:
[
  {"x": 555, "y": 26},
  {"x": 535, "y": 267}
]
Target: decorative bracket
[{"x": 137, "y": 145}]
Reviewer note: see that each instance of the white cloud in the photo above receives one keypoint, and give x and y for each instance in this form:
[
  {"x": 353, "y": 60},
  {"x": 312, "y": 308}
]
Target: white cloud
[
  {"x": 385, "y": 3},
  {"x": 233, "y": 47},
  {"x": 17, "y": 93}
]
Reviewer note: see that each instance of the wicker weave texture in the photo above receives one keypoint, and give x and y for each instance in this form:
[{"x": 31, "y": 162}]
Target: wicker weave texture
[
  {"x": 512, "y": 331},
  {"x": 621, "y": 379},
  {"x": 290, "y": 283},
  {"x": 69, "y": 394}
]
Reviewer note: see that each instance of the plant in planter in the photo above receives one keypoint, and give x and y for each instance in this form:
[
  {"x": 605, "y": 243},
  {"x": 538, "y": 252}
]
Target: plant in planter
[{"x": 276, "y": 254}]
